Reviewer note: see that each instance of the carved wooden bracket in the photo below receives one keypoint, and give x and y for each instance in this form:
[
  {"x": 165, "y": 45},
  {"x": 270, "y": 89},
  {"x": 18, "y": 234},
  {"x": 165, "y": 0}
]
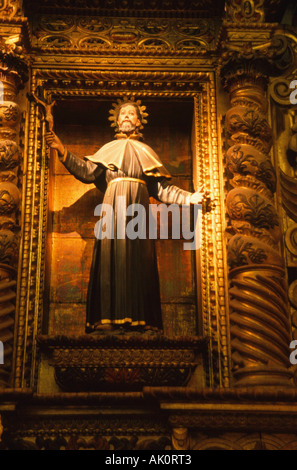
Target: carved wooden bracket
[{"x": 110, "y": 362}]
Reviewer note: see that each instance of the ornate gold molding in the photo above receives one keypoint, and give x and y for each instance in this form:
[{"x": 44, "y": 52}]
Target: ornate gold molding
[
  {"x": 62, "y": 84},
  {"x": 180, "y": 418},
  {"x": 118, "y": 36},
  {"x": 284, "y": 128},
  {"x": 245, "y": 11},
  {"x": 11, "y": 9},
  {"x": 131, "y": 8}
]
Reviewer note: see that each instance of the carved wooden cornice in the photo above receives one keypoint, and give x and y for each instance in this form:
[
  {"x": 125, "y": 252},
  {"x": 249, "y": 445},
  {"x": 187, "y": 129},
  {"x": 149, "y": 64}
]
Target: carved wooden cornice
[
  {"x": 121, "y": 8},
  {"x": 118, "y": 36},
  {"x": 155, "y": 411},
  {"x": 108, "y": 82},
  {"x": 255, "y": 62}
]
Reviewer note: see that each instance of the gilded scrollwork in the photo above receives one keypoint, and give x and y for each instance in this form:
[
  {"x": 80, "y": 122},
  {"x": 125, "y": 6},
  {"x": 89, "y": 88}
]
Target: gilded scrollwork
[
  {"x": 10, "y": 8},
  {"x": 245, "y": 11},
  {"x": 292, "y": 144},
  {"x": 254, "y": 62},
  {"x": 56, "y": 24},
  {"x": 288, "y": 188},
  {"x": 56, "y": 41},
  {"x": 291, "y": 239},
  {"x": 116, "y": 35},
  {"x": 94, "y": 25},
  {"x": 280, "y": 90},
  {"x": 154, "y": 26},
  {"x": 156, "y": 43},
  {"x": 293, "y": 293},
  {"x": 190, "y": 28},
  {"x": 93, "y": 42},
  {"x": 191, "y": 45}
]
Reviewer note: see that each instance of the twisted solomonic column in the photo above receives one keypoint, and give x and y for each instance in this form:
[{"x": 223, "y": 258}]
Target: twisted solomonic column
[
  {"x": 13, "y": 72},
  {"x": 259, "y": 318}
]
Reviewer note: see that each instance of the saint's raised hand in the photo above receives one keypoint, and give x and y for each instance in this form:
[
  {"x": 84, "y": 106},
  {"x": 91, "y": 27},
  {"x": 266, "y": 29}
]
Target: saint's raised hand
[
  {"x": 198, "y": 196},
  {"x": 54, "y": 142}
]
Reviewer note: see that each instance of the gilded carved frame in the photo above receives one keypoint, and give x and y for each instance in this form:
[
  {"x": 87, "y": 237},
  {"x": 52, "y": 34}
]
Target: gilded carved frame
[
  {"x": 207, "y": 170},
  {"x": 282, "y": 114}
]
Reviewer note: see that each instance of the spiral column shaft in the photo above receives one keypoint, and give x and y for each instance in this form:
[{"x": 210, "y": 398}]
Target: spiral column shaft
[
  {"x": 260, "y": 329},
  {"x": 11, "y": 68}
]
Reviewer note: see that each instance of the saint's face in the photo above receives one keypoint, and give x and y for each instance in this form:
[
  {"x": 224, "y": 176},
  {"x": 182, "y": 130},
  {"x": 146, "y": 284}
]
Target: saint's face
[{"x": 128, "y": 116}]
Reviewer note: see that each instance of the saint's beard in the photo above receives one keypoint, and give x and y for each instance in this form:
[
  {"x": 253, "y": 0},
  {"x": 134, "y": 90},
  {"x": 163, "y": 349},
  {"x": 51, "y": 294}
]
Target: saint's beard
[{"x": 127, "y": 127}]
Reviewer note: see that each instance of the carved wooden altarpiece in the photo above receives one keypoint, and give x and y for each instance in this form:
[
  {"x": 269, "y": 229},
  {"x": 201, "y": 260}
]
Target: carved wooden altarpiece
[{"x": 216, "y": 82}]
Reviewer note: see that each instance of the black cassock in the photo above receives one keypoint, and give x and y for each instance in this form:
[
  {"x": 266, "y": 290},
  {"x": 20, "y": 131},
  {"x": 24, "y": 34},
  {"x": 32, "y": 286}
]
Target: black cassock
[{"x": 124, "y": 283}]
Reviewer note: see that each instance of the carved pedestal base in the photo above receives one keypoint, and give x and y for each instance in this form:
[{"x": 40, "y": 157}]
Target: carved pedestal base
[
  {"x": 266, "y": 376},
  {"x": 95, "y": 363}
]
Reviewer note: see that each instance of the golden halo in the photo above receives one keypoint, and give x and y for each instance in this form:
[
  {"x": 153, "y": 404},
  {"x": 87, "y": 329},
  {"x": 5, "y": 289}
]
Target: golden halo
[{"x": 114, "y": 112}]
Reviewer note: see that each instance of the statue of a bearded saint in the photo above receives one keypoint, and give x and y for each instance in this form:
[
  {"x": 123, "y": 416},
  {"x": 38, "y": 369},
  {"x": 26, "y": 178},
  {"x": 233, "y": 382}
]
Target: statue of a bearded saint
[{"x": 124, "y": 286}]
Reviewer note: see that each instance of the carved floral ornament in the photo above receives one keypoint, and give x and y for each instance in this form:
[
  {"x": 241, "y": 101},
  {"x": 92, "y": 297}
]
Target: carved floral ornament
[
  {"x": 10, "y": 8},
  {"x": 256, "y": 62},
  {"x": 12, "y": 60},
  {"x": 245, "y": 11},
  {"x": 247, "y": 160}
]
